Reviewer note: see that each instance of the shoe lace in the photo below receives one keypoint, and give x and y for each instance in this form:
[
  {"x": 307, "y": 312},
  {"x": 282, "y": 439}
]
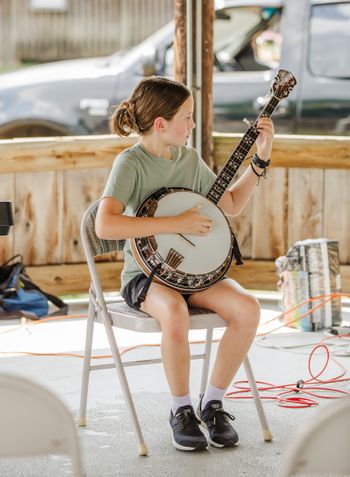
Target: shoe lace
[
  {"x": 214, "y": 414},
  {"x": 187, "y": 418}
]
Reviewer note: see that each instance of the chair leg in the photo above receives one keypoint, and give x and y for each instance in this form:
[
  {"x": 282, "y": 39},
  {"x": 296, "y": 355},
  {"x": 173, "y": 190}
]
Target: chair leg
[
  {"x": 143, "y": 450},
  {"x": 257, "y": 400},
  {"x": 86, "y": 366},
  {"x": 206, "y": 361}
]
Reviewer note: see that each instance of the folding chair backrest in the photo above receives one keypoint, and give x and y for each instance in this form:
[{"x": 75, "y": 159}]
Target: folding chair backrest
[{"x": 92, "y": 244}]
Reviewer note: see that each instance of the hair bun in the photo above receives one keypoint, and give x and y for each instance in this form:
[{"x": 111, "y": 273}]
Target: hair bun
[
  {"x": 124, "y": 120},
  {"x": 153, "y": 97}
]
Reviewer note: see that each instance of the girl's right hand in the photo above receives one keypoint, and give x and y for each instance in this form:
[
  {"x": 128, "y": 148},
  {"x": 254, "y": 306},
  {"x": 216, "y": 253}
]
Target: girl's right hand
[{"x": 193, "y": 223}]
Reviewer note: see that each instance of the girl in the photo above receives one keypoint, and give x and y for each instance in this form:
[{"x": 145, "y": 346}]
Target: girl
[{"x": 160, "y": 111}]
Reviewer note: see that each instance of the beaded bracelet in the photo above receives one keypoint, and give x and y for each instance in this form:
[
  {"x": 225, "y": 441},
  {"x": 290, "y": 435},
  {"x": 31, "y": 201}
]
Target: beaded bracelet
[{"x": 260, "y": 163}]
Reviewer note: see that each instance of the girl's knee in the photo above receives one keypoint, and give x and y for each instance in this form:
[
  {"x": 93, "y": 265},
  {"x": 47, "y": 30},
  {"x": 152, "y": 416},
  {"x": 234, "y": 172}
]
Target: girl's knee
[
  {"x": 247, "y": 315},
  {"x": 254, "y": 305},
  {"x": 251, "y": 313},
  {"x": 175, "y": 321}
]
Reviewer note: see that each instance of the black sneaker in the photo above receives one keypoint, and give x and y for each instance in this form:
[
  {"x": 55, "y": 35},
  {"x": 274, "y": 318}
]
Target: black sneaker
[
  {"x": 187, "y": 435},
  {"x": 217, "y": 421}
]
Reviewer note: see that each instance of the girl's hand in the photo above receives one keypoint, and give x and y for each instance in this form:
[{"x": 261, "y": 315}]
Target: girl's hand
[
  {"x": 265, "y": 138},
  {"x": 193, "y": 223}
]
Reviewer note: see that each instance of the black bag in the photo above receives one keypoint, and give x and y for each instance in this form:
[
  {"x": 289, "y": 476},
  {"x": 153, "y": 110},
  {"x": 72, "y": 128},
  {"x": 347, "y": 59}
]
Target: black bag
[{"x": 19, "y": 296}]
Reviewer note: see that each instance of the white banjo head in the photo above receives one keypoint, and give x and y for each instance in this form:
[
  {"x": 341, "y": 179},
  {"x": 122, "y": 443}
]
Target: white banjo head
[
  {"x": 202, "y": 254},
  {"x": 185, "y": 262}
]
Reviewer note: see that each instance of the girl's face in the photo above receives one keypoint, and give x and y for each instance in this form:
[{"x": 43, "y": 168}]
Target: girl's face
[{"x": 178, "y": 129}]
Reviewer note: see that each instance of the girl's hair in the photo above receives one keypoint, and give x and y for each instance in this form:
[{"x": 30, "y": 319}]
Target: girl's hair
[{"x": 153, "y": 97}]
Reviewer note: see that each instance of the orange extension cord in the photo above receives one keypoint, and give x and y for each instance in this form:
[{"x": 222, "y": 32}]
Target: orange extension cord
[{"x": 241, "y": 389}]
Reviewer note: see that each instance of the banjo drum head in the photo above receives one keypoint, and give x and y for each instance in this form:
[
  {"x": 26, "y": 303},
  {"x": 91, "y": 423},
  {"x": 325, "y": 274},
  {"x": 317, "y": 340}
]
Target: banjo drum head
[{"x": 202, "y": 254}]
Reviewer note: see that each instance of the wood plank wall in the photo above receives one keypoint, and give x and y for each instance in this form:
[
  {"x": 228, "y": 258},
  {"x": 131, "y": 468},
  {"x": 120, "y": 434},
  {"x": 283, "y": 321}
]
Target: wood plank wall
[
  {"x": 86, "y": 28},
  {"x": 305, "y": 196},
  {"x": 52, "y": 181}
]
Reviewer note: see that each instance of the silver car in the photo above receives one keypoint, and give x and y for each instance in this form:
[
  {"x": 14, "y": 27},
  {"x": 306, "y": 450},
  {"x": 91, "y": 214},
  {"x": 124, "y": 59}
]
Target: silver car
[{"x": 252, "y": 39}]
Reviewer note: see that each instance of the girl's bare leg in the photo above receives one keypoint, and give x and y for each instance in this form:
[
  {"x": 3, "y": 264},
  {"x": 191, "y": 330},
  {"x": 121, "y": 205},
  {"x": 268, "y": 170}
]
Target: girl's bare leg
[
  {"x": 241, "y": 310},
  {"x": 170, "y": 309}
]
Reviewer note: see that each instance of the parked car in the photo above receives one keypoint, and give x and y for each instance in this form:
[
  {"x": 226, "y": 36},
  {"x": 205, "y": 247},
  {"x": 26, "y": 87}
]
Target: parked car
[{"x": 252, "y": 39}]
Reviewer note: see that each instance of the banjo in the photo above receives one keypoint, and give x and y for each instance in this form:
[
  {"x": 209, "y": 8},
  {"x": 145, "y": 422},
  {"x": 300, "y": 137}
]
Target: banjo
[{"x": 191, "y": 263}]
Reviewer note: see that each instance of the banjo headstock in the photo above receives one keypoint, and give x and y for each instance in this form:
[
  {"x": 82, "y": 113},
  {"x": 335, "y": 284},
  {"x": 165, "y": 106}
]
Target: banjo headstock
[{"x": 283, "y": 84}]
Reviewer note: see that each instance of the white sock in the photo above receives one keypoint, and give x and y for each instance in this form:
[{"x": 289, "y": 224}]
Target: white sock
[
  {"x": 179, "y": 401},
  {"x": 212, "y": 393}
]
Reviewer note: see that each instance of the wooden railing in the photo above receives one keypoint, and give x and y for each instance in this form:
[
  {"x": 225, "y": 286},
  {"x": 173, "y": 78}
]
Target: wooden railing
[{"x": 52, "y": 181}]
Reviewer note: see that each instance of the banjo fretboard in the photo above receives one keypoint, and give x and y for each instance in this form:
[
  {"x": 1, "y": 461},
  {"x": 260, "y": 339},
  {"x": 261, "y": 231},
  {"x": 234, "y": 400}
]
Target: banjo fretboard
[{"x": 239, "y": 154}]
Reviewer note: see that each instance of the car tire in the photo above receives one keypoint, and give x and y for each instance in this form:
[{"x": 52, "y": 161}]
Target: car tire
[{"x": 31, "y": 130}]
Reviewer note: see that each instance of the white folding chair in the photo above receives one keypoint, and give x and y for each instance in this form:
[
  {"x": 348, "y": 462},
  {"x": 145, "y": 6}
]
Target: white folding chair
[
  {"x": 34, "y": 422},
  {"x": 322, "y": 445},
  {"x": 121, "y": 315}
]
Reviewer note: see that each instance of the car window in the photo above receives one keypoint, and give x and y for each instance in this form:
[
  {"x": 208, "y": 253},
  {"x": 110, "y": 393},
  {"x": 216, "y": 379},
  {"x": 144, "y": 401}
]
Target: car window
[
  {"x": 329, "y": 46},
  {"x": 245, "y": 39}
]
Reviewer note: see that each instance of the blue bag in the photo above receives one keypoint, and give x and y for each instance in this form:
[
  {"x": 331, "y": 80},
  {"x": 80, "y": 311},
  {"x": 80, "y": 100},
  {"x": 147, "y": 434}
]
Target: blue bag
[{"x": 19, "y": 296}]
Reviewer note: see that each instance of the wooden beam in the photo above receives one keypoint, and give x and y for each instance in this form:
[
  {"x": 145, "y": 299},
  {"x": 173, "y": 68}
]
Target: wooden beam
[
  {"x": 180, "y": 42},
  {"x": 93, "y": 152},
  {"x": 207, "y": 81},
  {"x": 180, "y": 65},
  {"x": 61, "y": 153},
  {"x": 75, "y": 278},
  {"x": 294, "y": 151},
  {"x": 72, "y": 279}
]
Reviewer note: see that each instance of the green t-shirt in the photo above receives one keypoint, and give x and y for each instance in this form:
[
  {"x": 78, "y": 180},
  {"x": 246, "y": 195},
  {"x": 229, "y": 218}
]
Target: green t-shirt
[{"x": 136, "y": 174}]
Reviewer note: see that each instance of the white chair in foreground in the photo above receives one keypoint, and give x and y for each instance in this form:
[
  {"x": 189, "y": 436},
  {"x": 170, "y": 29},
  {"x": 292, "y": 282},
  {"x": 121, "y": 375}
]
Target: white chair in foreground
[
  {"x": 122, "y": 316},
  {"x": 322, "y": 445},
  {"x": 34, "y": 422}
]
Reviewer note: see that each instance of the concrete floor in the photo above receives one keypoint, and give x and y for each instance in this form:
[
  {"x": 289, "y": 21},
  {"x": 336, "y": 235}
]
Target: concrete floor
[{"x": 108, "y": 444}]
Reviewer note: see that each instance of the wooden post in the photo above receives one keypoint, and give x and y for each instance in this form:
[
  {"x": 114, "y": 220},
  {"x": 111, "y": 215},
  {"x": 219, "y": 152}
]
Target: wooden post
[
  {"x": 180, "y": 41},
  {"x": 207, "y": 82},
  {"x": 8, "y": 27},
  {"x": 14, "y": 23},
  {"x": 207, "y": 65}
]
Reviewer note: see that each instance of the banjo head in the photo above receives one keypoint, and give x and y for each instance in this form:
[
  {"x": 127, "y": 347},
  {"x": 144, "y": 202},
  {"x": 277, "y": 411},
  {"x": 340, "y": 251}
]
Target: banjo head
[
  {"x": 201, "y": 254},
  {"x": 191, "y": 262}
]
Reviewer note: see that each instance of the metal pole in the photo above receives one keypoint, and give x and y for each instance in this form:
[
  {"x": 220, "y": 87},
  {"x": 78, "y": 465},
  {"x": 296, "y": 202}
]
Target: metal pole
[
  {"x": 198, "y": 82},
  {"x": 189, "y": 55}
]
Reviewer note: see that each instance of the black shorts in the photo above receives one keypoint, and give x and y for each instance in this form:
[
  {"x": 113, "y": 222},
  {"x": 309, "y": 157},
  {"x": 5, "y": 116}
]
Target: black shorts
[{"x": 133, "y": 289}]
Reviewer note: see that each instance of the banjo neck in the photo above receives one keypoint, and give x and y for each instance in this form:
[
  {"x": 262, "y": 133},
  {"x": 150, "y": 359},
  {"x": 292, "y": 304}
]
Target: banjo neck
[{"x": 239, "y": 154}]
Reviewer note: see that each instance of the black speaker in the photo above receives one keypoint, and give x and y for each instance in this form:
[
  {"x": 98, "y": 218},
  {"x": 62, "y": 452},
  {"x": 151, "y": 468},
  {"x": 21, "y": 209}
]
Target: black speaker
[{"x": 6, "y": 217}]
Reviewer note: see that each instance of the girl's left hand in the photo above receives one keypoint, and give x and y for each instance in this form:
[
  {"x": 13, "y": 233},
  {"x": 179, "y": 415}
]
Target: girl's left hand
[{"x": 264, "y": 140}]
